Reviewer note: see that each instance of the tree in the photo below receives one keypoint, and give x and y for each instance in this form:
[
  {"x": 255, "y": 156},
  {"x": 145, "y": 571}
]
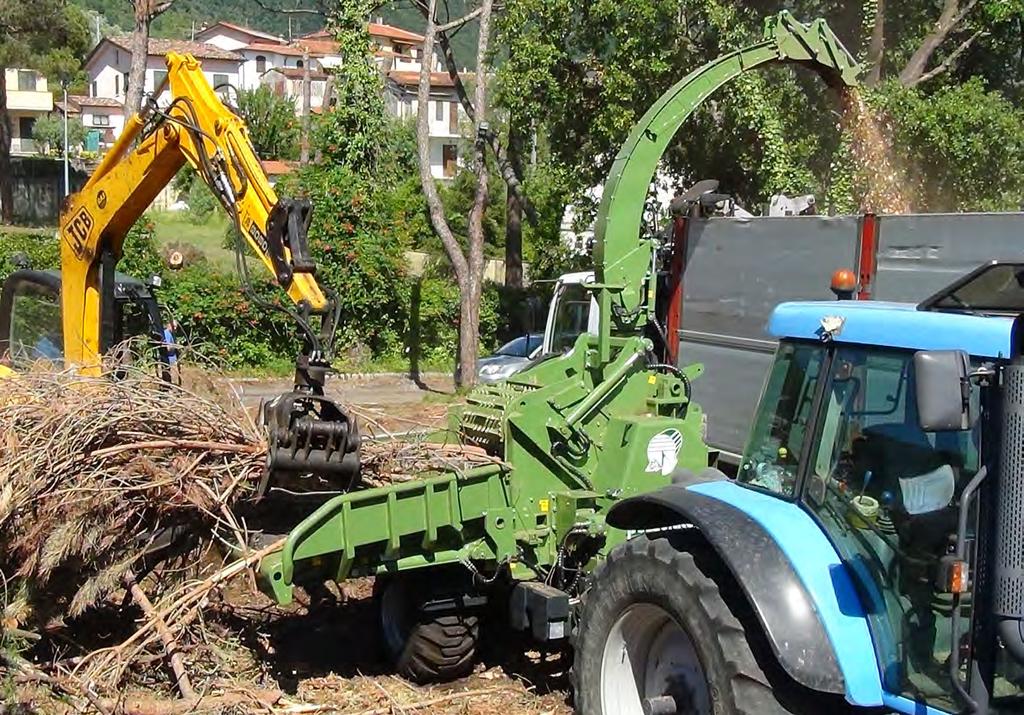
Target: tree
[
  {"x": 48, "y": 133},
  {"x": 270, "y": 119},
  {"x": 468, "y": 265},
  {"x": 144, "y": 12},
  {"x": 33, "y": 35}
]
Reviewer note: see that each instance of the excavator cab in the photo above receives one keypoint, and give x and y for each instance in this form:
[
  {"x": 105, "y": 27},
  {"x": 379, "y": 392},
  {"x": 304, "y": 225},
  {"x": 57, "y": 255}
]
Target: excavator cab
[{"x": 31, "y": 329}]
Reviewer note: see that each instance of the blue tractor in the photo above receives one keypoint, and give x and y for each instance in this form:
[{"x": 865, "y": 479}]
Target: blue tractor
[{"x": 869, "y": 554}]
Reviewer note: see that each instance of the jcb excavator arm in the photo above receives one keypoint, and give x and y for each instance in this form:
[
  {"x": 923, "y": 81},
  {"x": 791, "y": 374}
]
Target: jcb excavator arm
[
  {"x": 198, "y": 129},
  {"x": 307, "y": 432}
]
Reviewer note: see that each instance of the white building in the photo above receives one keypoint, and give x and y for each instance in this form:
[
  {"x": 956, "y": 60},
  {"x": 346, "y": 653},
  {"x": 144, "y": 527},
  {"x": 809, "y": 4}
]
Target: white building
[
  {"x": 109, "y": 63},
  {"x": 247, "y": 58},
  {"x": 260, "y": 51},
  {"x": 28, "y": 99},
  {"x": 101, "y": 116}
]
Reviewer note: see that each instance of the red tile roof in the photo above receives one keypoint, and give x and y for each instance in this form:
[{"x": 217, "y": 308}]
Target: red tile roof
[
  {"x": 298, "y": 73},
  {"x": 279, "y": 49},
  {"x": 242, "y": 28},
  {"x": 377, "y": 29},
  {"x": 160, "y": 47},
  {"x": 83, "y": 101},
  {"x": 72, "y": 108},
  {"x": 319, "y": 47},
  {"x": 274, "y": 167},
  {"x": 412, "y": 77}
]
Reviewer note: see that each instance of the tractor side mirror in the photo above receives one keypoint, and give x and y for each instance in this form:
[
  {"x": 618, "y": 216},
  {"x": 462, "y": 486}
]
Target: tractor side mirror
[{"x": 943, "y": 385}]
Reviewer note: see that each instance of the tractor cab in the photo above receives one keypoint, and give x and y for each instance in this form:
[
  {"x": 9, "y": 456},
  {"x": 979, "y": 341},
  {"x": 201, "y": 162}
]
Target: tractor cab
[
  {"x": 884, "y": 423},
  {"x": 30, "y": 317}
]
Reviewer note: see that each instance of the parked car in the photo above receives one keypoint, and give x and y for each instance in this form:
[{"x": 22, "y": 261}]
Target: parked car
[{"x": 510, "y": 358}]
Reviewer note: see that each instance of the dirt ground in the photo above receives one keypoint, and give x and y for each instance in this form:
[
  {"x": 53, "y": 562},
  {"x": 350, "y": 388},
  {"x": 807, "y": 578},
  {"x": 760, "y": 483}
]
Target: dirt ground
[
  {"x": 324, "y": 657},
  {"x": 388, "y": 402}
]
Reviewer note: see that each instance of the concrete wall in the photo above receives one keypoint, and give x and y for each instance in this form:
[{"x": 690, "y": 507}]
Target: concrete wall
[{"x": 39, "y": 189}]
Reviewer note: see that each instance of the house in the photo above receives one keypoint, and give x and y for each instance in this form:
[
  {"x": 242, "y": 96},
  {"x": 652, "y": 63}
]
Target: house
[
  {"x": 108, "y": 64},
  {"x": 260, "y": 51},
  {"x": 102, "y": 117},
  {"x": 444, "y": 113},
  {"x": 287, "y": 82},
  {"x": 28, "y": 99}
]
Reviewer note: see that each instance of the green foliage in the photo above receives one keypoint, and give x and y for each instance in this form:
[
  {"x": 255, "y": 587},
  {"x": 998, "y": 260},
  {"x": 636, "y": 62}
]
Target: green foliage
[
  {"x": 270, "y": 119},
  {"x": 201, "y": 203},
  {"x": 48, "y": 133},
  {"x": 961, "y": 146},
  {"x": 433, "y": 336},
  {"x": 359, "y": 244},
  {"x": 40, "y": 248},
  {"x": 354, "y": 133}
]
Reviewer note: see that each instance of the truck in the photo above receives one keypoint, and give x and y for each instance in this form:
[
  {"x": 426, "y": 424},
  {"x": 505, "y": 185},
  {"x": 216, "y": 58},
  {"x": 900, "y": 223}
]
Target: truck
[
  {"x": 866, "y": 557},
  {"x": 738, "y": 269}
]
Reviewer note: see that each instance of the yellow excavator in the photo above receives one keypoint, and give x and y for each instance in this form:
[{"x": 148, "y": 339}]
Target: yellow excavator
[{"x": 308, "y": 433}]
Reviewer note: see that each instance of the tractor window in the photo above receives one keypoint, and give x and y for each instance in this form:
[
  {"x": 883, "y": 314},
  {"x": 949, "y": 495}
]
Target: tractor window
[
  {"x": 782, "y": 419},
  {"x": 573, "y": 313},
  {"x": 36, "y": 329},
  {"x": 886, "y": 493}
]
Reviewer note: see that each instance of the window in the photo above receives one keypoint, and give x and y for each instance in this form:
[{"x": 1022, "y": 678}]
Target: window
[
  {"x": 25, "y": 126},
  {"x": 885, "y": 492},
  {"x": 220, "y": 82},
  {"x": 36, "y": 328},
  {"x": 439, "y": 111},
  {"x": 117, "y": 84},
  {"x": 572, "y": 314},
  {"x": 27, "y": 80},
  {"x": 450, "y": 157},
  {"x": 784, "y": 415},
  {"x": 261, "y": 64},
  {"x": 298, "y": 63},
  {"x": 159, "y": 77},
  {"x": 126, "y": 83},
  {"x": 101, "y": 120},
  {"x": 93, "y": 90},
  {"x": 453, "y": 117}
]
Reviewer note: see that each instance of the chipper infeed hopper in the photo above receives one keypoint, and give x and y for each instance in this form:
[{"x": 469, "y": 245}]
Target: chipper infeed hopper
[{"x": 575, "y": 432}]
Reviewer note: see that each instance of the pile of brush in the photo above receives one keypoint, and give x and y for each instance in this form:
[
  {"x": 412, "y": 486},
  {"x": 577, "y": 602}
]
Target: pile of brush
[{"x": 96, "y": 474}]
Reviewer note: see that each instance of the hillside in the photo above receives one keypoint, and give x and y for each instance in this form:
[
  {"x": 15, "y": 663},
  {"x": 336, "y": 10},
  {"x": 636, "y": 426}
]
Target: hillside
[{"x": 178, "y": 22}]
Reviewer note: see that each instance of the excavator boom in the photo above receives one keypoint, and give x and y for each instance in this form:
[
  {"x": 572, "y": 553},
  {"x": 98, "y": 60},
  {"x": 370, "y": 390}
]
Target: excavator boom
[
  {"x": 308, "y": 434},
  {"x": 198, "y": 129}
]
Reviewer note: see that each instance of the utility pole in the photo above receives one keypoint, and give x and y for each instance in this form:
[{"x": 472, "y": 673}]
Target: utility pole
[
  {"x": 306, "y": 108},
  {"x": 67, "y": 169}
]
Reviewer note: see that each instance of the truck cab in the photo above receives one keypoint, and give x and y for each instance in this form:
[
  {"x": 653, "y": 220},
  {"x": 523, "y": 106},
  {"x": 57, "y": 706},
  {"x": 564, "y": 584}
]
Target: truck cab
[{"x": 894, "y": 537}]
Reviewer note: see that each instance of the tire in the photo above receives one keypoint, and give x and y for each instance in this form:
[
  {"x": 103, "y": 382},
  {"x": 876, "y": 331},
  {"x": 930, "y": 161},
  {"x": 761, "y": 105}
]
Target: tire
[
  {"x": 425, "y": 646},
  {"x": 687, "y": 651}
]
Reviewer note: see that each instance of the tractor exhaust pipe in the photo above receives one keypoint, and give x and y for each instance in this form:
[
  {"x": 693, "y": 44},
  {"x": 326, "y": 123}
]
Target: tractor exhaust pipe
[{"x": 1008, "y": 596}]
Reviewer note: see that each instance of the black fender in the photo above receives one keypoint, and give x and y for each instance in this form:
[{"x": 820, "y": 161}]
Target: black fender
[{"x": 785, "y": 609}]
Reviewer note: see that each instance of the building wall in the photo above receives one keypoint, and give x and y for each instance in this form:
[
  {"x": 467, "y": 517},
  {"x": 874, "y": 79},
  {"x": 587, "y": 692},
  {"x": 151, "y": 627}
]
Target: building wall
[
  {"x": 108, "y": 121},
  {"x": 249, "y": 75},
  {"x": 109, "y": 68}
]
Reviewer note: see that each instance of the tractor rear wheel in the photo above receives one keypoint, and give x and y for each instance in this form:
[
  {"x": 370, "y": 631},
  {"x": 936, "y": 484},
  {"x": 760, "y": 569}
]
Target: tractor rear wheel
[
  {"x": 656, "y": 637},
  {"x": 425, "y": 645}
]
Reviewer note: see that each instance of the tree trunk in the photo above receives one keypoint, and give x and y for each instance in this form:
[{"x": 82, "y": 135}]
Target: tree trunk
[
  {"x": 140, "y": 53},
  {"x": 876, "y": 50},
  {"x": 470, "y": 334},
  {"x": 145, "y": 12},
  {"x": 6, "y": 187},
  {"x": 949, "y": 18},
  {"x": 514, "y": 217}
]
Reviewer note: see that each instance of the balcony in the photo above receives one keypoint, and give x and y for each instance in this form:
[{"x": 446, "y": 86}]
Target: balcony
[
  {"x": 29, "y": 101},
  {"x": 22, "y": 147}
]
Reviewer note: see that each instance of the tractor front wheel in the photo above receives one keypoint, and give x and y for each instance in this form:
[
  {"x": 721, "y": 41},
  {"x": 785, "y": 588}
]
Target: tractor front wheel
[
  {"x": 656, "y": 637},
  {"x": 425, "y": 644}
]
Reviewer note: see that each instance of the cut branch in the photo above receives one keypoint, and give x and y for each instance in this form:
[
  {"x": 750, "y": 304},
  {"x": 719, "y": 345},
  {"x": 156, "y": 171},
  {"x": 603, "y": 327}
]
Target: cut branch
[{"x": 174, "y": 657}]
